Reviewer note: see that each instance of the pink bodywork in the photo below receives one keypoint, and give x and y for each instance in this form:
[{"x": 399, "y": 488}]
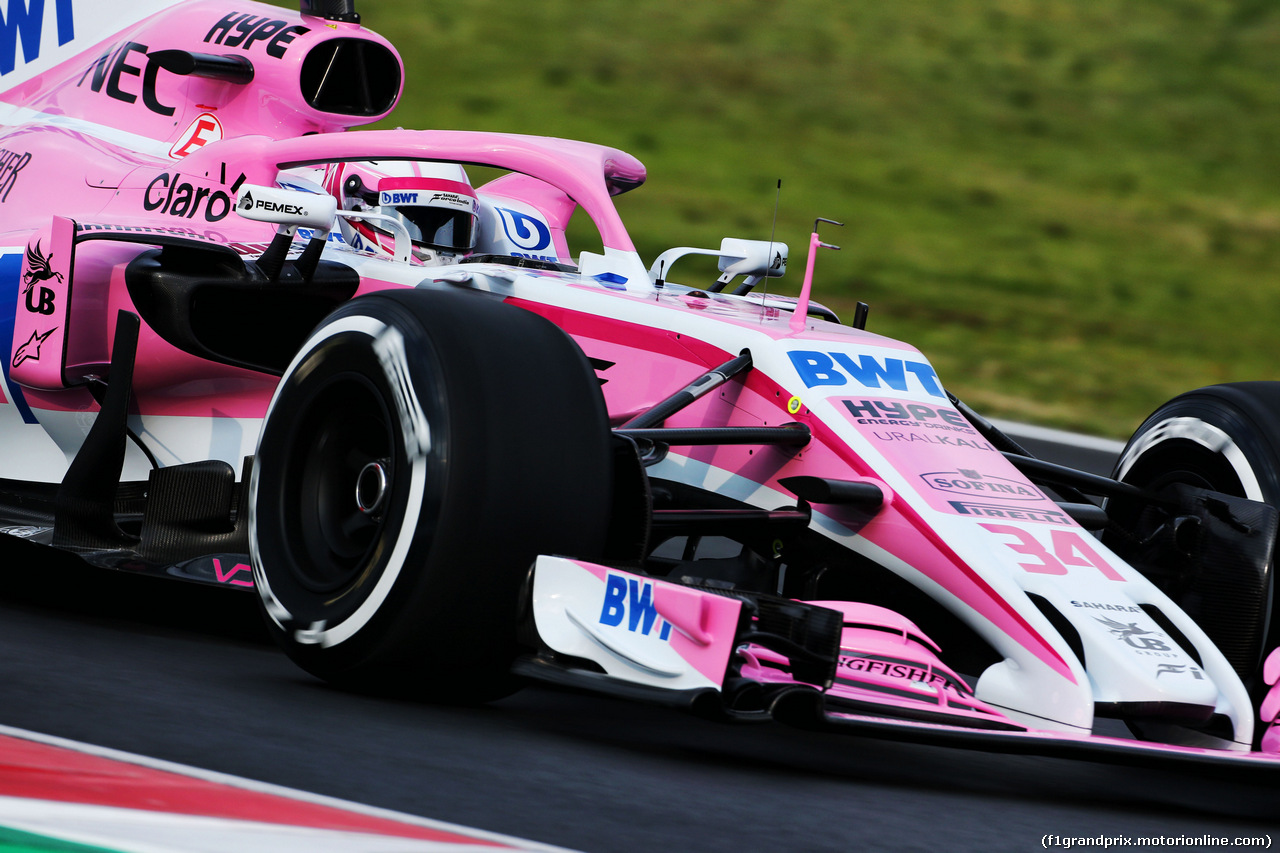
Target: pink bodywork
[
  {"x": 1269, "y": 711},
  {"x": 651, "y": 362},
  {"x": 217, "y": 137},
  {"x": 702, "y": 624},
  {"x": 886, "y": 662}
]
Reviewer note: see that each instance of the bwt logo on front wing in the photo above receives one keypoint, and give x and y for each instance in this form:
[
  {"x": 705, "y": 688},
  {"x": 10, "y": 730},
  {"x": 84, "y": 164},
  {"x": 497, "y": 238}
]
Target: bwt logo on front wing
[
  {"x": 630, "y": 600},
  {"x": 838, "y": 368}
]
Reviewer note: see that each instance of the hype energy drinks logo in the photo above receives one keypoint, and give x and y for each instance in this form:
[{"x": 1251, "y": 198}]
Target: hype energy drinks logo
[{"x": 30, "y": 25}]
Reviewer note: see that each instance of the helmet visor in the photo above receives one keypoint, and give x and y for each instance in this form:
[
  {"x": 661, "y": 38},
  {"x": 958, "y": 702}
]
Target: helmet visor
[
  {"x": 437, "y": 228},
  {"x": 437, "y": 213}
]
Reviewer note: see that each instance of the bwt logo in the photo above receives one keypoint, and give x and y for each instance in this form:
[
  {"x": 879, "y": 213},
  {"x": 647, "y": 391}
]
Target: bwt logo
[
  {"x": 398, "y": 198},
  {"x": 524, "y": 231},
  {"x": 24, "y": 21},
  {"x": 837, "y": 368},
  {"x": 631, "y": 600}
]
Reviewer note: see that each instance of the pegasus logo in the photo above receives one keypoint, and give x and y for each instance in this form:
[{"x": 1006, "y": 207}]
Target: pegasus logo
[
  {"x": 1132, "y": 635},
  {"x": 1122, "y": 630},
  {"x": 39, "y": 268},
  {"x": 30, "y": 351}
]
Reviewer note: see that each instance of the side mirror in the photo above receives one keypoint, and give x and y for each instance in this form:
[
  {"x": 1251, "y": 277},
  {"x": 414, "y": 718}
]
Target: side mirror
[
  {"x": 757, "y": 258},
  {"x": 287, "y": 207}
]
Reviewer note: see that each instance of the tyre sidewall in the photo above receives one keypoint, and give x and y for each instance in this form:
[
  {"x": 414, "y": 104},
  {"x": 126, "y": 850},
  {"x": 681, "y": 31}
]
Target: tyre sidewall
[
  {"x": 517, "y": 462},
  {"x": 1238, "y": 425},
  {"x": 366, "y": 346},
  {"x": 1223, "y": 437}
]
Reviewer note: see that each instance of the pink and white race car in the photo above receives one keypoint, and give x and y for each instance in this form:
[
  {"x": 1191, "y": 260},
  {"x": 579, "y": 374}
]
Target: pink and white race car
[{"x": 243, "y": 346}]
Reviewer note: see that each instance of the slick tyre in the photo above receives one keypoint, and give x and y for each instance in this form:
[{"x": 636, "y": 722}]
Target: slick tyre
[
  {"x": 420, "y": 451},
  {"x": 1225, "y": 438}
]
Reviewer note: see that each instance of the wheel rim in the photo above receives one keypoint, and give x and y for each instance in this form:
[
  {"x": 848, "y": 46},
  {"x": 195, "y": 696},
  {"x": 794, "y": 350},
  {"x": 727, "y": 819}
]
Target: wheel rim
[
  {"x": 1182, "y": 461},
  {"x": 339, "y": 476}
]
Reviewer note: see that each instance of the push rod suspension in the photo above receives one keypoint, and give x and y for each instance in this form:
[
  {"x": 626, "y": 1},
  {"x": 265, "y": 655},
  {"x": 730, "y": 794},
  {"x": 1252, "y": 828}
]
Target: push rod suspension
[
  {"x": 708, "y": 381},
  {"x": 796, "y": 435},
  {"x": 1041, "y": 471}
]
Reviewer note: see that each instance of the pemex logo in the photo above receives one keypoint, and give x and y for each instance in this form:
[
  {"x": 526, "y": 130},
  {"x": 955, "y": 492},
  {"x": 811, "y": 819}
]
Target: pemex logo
[{"x": 246, "y": 201}]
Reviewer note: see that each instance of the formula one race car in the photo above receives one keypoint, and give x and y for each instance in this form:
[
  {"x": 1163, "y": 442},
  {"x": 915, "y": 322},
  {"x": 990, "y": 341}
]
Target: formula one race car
[{"x": 245, "y": 347}]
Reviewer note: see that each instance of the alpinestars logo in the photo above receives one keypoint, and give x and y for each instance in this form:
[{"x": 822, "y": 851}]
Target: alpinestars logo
[{"x": 30, "y": 351}]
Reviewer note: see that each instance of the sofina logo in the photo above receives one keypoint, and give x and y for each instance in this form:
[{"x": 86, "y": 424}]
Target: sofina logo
[
  {"x": 24, "y": 22},
  {"x": 966, "y": 481}
]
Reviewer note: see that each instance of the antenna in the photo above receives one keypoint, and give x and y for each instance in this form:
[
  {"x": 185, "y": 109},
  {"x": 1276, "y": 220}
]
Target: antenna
[{"x": 773, "y": 232}]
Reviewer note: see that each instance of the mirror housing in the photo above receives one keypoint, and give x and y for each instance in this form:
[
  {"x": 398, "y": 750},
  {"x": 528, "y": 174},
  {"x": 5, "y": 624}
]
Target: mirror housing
[
  {"x": 759, "y": 258},
  {"x": 290, "y": 208},
  {"x": 755, "y": 259}
]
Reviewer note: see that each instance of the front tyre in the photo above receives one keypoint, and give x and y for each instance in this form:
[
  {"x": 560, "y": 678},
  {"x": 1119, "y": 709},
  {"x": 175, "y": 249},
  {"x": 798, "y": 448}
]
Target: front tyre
[
  {"x": 1224, "y": 438},
  {"x": 420, "y": 451}
]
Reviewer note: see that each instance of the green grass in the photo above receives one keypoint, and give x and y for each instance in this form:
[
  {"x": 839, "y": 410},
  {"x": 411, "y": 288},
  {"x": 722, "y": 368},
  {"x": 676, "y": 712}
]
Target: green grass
[{"x": 1071, "y": 208}]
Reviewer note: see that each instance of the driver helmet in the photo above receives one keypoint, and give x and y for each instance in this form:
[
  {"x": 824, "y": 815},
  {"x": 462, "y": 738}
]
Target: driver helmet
[{"x": 433, "y": 201}]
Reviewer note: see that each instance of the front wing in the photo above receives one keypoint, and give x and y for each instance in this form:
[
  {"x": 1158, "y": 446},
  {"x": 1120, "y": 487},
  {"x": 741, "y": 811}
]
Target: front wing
[{"x": 858, "y": 670}]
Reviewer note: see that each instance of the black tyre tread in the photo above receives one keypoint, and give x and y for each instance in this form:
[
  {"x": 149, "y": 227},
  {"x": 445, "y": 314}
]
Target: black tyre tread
[
  {"x": 1249, "y": 413},
  {"x": 528, "y": 472},
  {"x": 1251, "y": 417}
]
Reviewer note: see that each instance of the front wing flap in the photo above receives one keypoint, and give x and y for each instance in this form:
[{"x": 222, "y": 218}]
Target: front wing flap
[
  {"x": 620, "y": 632},
  {"x": 806, "y": 709},
  {"x": 629, "y": 635}
]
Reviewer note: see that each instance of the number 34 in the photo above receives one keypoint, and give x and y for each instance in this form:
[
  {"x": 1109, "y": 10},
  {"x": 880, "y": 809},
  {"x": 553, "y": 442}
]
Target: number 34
[{"x": 1069, "y": 548}]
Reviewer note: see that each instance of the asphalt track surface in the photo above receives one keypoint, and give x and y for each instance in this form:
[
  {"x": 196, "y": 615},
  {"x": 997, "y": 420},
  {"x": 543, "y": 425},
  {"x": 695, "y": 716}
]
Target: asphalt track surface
[{"x": 184, "y": 674}]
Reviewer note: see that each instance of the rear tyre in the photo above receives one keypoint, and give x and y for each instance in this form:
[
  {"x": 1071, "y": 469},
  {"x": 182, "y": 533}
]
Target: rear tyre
[{"x": 421, "y": 450}]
